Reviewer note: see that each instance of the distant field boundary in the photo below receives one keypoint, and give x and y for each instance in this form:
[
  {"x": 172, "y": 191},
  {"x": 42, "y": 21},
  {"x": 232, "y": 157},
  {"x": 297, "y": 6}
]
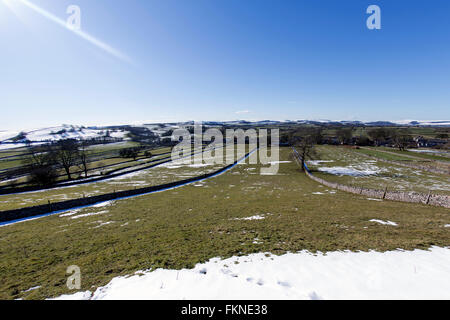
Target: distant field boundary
[
  {"x": 110, "y": 175},
  {"x": 408, "y": 165},
  {"x": 415, "y": 157},
  {"x": 411, "y": 197},
  {"x": 78, "y": 182},
  {"x": 17, "y": 188},
  {"x": 18, "y": 215}
]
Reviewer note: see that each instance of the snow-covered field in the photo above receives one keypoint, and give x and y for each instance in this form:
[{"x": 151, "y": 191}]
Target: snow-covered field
[
  {"x": 72, "y": 132},
  {"x": 397, "y": 274},
  {"x": 59, "y": 132}
]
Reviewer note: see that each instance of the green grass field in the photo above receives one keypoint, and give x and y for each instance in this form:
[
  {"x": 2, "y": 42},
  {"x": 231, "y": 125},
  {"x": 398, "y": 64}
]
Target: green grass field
[
  {"x": 95, "y": 167},
  {"x": 184, "y": 226},
  {"x": 348, "y": 166},
  {"x": 443, "y": 156},
  {"x": 375, "y": 152},
  {"x": 406, "y": 157},
  {"x": 155, "y": 176}
]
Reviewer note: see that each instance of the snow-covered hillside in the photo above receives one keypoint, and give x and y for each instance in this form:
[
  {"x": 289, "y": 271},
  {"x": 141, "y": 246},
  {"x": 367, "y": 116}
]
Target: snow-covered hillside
[
  {"x": 58, "y": 133},
  {"x": 6, "y": 135},
  {"x": 16, "y": 139},
  {"x": 63, "y": 132},
  {"x": 425, "y": 123}
]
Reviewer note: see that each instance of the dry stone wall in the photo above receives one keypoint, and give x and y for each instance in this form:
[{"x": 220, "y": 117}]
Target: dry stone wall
[{"x": 412, "y": 197}]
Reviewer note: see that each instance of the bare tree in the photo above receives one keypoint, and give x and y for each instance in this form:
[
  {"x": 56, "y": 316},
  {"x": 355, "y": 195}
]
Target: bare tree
[
  {"x": 83, "y": 156},
  {"x": 401, "y": 140},
  {"x": 41, "y": 167},
  {"x": 148, "y": 154},
  {"x": 344, "y": 135},
  {"x": 378, "y": 135},
  {"x": 130, "y": 153},
  {"x": 66, "y": 154},
  {"x": 304, "y": 141}
]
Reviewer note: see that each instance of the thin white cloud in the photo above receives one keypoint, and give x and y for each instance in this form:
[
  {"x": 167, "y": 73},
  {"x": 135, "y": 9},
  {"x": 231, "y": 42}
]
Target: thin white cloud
[
  {"x": 242, "y": 112},
  {"x": 99, "y": 44}
]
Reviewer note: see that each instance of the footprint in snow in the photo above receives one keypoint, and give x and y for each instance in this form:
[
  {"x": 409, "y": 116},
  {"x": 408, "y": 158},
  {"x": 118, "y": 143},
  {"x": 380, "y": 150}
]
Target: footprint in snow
[
  {"x": 314, "y": 296},
  {"x": 284, "y": 284}
]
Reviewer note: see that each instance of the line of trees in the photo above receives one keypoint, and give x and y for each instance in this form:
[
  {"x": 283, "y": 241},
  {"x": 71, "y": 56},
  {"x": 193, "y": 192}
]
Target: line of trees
[
  {"x": 304, "y": 140},
  {"x": 41, "y": 167},
  {"x": 398, "y": 137},
  {"x": 44, "y": 162}
]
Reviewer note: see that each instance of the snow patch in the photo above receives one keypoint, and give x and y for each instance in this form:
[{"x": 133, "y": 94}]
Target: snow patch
[
  {"x": 89, "y": 214},
  {"x": 256, "y": 217},
  {"x": 429, "y": 151},
  {"x": 348, "y": 171},
  {"x": 70, "y": 213},
  {"x": 317, "y": 162},
  {"x": 76, "y": 296},
  {"x": 103, "y": 224},
  {"x": 33, "y": 288},
  {"x": 417, "y": 274},
  {"x": 278, "y": 162},
  {"x": 103, "y": 204},
  {"x": 389, "y": 223}
]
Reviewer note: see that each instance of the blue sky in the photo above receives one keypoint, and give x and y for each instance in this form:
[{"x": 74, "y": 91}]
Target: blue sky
[{"x": 223, "y": 60}]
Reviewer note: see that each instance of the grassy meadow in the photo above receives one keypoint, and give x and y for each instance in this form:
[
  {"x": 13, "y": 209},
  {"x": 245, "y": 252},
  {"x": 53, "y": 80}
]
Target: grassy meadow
[{"x": 236, "y": 213}]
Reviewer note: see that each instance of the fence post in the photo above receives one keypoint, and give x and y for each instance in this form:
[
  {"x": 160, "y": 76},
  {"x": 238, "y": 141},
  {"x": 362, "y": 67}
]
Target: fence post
[{"x": 428, "y": 197}]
